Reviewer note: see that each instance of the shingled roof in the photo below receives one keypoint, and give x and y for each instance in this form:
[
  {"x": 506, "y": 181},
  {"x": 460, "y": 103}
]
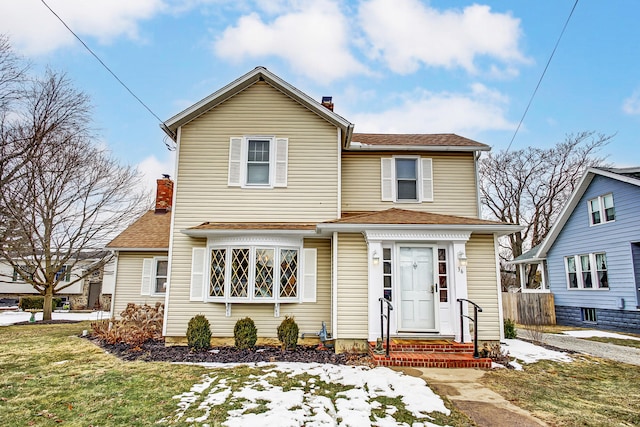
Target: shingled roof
[
  {"x": 404, "y": 216},
  {"x": 442, "y": 141},
  {"x": 150, "y": 231}
]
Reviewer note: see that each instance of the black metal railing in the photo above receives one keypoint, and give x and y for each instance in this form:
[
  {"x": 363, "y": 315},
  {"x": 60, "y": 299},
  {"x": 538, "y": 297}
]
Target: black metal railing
[
  {"x": 384, "y": 316},
  {"x": 474, "y": 319}
]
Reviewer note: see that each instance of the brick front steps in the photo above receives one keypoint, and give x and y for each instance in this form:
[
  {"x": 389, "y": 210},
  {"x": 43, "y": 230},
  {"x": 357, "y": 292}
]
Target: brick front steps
[{"x": 429, "y": 354}]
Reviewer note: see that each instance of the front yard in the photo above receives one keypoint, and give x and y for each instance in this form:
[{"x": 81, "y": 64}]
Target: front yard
[{"x": 49, "y": 376}]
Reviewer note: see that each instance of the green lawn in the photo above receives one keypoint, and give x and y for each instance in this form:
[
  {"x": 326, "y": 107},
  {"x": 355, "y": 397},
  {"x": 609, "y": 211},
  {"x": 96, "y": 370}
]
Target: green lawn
[
  {"x": 587, "y": 392},
  {"x": 49, "y": 376}
]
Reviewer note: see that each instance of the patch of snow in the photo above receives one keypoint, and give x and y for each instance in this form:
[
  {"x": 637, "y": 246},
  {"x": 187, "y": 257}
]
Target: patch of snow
[
  {"x": 593, "y": 333},
  {"x": 10, "y": 317},
  {"x": 526, "y": 352},
  {"x": 295, "y": 407}
]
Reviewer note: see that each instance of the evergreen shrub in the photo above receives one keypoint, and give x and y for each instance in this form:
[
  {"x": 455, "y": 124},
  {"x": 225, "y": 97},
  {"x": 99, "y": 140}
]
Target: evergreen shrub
[
  {"x": 245, "y": 333},
  {"x": 288, "y": 333},
  {"x": 199, "y": 333}
]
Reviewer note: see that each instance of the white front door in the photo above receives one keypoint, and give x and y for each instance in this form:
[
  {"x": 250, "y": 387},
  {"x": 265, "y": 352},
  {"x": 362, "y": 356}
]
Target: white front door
[{"x": 417, "y": 290}]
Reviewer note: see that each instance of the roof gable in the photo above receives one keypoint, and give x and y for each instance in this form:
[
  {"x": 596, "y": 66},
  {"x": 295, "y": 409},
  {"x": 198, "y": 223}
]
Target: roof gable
[
  {"x": 257, "y": 74},
  {"x": 628, "y": 175}
]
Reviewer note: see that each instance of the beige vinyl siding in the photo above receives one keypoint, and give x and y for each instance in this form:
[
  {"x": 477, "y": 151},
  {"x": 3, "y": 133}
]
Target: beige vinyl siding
[
  {"x": 203, "y": 193},
  {"x": 352, "y": 311},
  {"x": 454, "y": 184},
  {"x": 309, "y": 316},
  {"x": 129, "y": 281},
  {"x": 482, "y": 284}
]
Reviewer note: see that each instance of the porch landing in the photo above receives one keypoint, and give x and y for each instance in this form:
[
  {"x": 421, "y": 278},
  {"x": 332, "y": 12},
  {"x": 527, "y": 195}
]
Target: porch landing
[{"x": 428, "y": 354}]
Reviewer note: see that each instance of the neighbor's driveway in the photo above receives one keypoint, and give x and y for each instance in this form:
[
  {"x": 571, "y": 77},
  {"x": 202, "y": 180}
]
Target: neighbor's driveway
[{"x": 618, "y": 353}]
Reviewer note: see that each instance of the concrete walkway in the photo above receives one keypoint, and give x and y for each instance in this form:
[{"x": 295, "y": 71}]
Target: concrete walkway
[
  {"x": 485, "y": 407},
  {"x": 618, "y": 353}
]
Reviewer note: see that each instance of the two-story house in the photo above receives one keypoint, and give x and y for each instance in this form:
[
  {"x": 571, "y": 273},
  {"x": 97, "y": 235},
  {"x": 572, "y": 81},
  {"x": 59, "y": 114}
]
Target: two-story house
[
  {"x": 590, "y": 260},
  {"x": 278, "y": 208}
]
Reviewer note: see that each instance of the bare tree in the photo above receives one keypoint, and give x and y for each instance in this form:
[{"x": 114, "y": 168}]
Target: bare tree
[
  {"x": 12, "y": 78},
  {"x": 530, "y": 186},
  {"x": 64, "y": 197}
]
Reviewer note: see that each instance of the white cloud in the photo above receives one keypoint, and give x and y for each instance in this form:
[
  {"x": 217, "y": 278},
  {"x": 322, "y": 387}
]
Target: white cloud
[
  {"x": 152, "y": 169},
  {"x": 408, "y": 33},
  {"x": 313, "y": 38},
  {"x": 468, "y": 114},
  {"x": 34, "y": 30},
  {"x": 631, "y": 105}
]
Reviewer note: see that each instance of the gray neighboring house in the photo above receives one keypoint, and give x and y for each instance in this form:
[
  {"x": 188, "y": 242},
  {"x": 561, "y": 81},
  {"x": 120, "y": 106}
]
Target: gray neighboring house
[{"x": 590, "y": 260}]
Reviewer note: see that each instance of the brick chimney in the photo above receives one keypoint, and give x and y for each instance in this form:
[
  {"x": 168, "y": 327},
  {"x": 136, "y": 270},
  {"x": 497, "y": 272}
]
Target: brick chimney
[
  {"x": 164, "y": 194},
  {"x": 327, "y": 101}
]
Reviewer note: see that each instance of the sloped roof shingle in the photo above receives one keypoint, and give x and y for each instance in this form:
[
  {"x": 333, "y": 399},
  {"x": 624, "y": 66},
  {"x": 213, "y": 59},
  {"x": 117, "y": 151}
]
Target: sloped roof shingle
[{"x": 150, "y": 231}]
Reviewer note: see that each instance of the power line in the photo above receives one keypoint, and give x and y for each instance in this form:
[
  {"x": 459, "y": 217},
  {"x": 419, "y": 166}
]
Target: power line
[
  {"x": 109, "y": 70},
  {"x": 542, "y": 76}
]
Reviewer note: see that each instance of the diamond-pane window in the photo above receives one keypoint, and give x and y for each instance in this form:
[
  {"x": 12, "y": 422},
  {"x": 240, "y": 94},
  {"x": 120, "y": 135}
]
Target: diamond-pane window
[
  {"x": 216, "y": 284},
  {"x": 288, "y": 273},
  {"x": 239, "y": 273},
  {"x": 264, "y": 273}
]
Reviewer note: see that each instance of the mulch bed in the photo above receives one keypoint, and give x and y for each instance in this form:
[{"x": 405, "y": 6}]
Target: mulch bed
[{"x": 155, "y": 351}]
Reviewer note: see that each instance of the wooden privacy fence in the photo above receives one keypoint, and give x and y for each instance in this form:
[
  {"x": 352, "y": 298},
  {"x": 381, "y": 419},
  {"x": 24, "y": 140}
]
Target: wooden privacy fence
[{"x": 529, "y": 308}]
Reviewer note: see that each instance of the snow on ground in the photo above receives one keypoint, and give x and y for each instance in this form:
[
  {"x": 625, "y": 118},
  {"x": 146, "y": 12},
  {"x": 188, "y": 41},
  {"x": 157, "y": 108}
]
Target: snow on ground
[
  {"x": 526, "y": 352},
  {"x": 296, "y": 406},
  {"x": 10, "y": 317},
  {"x": 593, "y": 333}
]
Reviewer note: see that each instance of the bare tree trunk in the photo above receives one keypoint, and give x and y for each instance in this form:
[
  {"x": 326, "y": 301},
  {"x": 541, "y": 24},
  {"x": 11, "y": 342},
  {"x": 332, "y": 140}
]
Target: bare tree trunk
[{"x": 47, "y": 304}]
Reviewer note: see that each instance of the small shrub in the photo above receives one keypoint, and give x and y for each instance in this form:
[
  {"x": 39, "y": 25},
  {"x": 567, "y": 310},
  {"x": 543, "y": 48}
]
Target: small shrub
[
  {"x": 494, "y": 352},
  {"x": 37, "y": 303},
  {"x": 137, "y": 324},
  {"x": 245, "y": 333},
  {"x": 510, "y": 329},
  {"x": 199, "y": 333},
  {"x": 288, "y": 333}
]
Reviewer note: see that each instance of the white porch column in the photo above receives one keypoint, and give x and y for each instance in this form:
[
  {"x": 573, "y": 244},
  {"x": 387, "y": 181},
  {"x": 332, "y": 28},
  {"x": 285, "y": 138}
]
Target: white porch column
[
  {"x": 461, "y": 291},
  {"x": 374, "y": 251}
]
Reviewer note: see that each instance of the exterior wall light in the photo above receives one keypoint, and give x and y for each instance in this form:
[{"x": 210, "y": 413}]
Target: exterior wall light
[
  {"x": 462, "y": 261},
  {"x": 375, "y": 258}
]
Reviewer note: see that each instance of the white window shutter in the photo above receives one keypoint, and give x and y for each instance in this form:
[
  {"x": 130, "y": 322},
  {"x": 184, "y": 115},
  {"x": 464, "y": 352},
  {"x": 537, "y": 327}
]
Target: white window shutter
[
  {"x": 427, "y": 180},
  {"x": 235, "y": 162},
  {"x": 386, "y": 185},
  {"x": 282, "y": 156},
  {"x": 147, "y": 267},
  {"x": 310, "y": 259},
  {"x": 197, "y": 274}
]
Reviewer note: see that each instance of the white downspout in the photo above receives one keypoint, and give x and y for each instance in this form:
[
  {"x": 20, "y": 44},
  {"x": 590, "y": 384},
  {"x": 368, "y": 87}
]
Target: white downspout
[{"x": 334, "y": 285}]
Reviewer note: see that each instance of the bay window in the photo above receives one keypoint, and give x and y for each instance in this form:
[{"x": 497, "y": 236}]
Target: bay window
[{"x": 254, "y": 274}]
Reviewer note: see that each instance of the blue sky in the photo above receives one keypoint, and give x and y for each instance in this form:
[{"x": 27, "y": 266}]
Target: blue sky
[{"x": 397, "y": 66}]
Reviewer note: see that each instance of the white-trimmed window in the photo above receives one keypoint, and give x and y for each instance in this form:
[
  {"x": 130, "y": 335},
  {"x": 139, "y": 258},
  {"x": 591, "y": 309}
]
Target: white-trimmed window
[
  {"x": 443, "y": 285},
  {"x": 160, "y": 275},
  {"x": 154, "y": 276},
  {"x": 406, "y": 179},
  {"x": 587, "y": 271},
  {"x": 601, "y": 209},
  {"x": 64, "y": 274},
  {"x": 258, "y": 162},
  {"x": 387, "y": 274},
  {"x": 254, "y": 274}
]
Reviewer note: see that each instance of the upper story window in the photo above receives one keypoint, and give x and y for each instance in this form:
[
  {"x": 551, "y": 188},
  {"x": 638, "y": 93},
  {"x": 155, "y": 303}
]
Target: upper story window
[
  {"x": 64, "y": 274},
  {"x": 601, "y": 209},
  {"x": 406, "y": 179},
  {"x": 587, "y": 271},
  {"x": 258, "y": 162}
]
